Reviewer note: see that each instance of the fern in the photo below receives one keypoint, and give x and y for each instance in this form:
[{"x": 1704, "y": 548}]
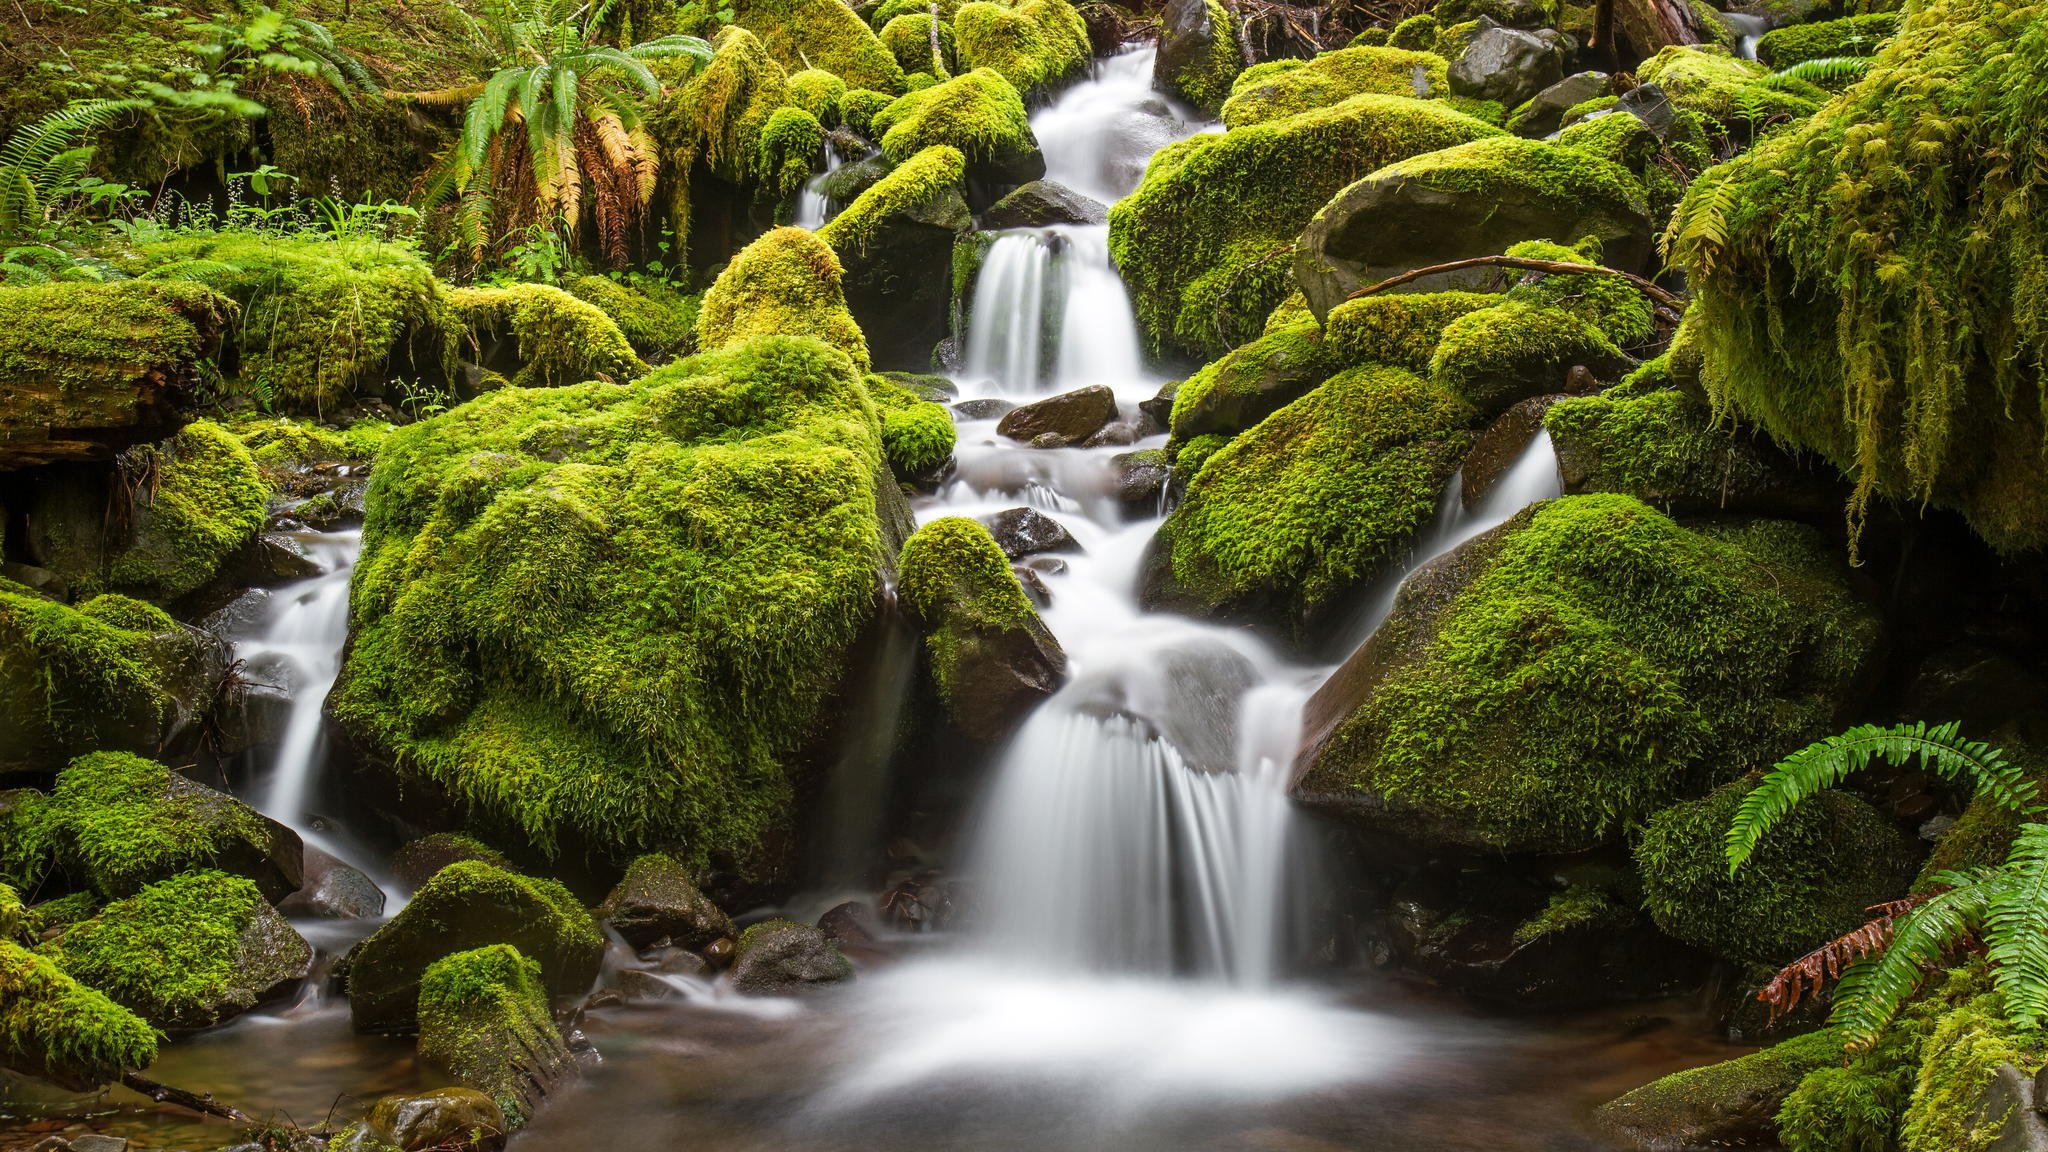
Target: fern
[
  {"x": 1700, "y": 229},
  {"x": 1833, "y": 73},
  {"x": 1941, "y": 750},
  {"x": 42, "y": 163},
  {"x": 2016, "y": 927},
  {"x": 1872, "y": 990}
]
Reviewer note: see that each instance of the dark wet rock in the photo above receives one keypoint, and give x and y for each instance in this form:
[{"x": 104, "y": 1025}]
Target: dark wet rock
[
  {"x": 899, "y": 283},
  {"x": 444, "y": 1120},
  {"x": 1506, "y": 64},
  {"x": 847, "y": 925},
  {"x": 41, "y": 581},
  {"x": 1545, "y": 111},
  {"x": 1649, "y": 104},
  {"x": 680, "y": 962},
  {"x": 1187, "y": 43},
  {"x": 1058, "y": 421},
  {"x": 1981, "y": 688},
  {"x": 922, "y": 902},
  {"x": 657, "y": 900},
  {"x": 1139, "y": 481},
  {"x": 1034, "y": 586},
  {"x": 720, "y": 952},
  {"x": 1497, "y": 448},
  {"x": 1121, "y": 433},
  {"x": 417, "y": 862},
  {"x": 1022, "y": 532},
  {"x": 333, "y": 890},
  {"x": 845, "y": 185},
  {"x": 267, "y": 561},
  {"x": 924, "y": 385},
  {"x": 778, "y": 956},
  {"x": 1160, "y": 406},
  {"x": 1042, "y": 203},
  {"x": 987, "y": 409}
]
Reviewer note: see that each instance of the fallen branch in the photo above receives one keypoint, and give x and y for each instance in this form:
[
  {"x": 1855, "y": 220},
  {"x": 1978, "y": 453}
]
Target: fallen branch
[
  {"x": 1669, "y": 300},
  {"x": 165, "y": 1094}
]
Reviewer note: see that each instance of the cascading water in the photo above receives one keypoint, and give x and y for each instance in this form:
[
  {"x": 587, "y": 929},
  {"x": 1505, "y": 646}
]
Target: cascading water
[
  {"x": 813, "y": 206},
  {"x": 1747, "y": 29},
  {"x": 297, "y": 642}
]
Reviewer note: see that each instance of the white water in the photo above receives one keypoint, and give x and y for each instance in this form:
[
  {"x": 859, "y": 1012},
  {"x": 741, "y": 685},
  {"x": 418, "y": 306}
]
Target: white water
[
  {"x": 298, "y": 638},
  {"x": 1747, "y": 29},
  {"x": 813, "y": 207}
]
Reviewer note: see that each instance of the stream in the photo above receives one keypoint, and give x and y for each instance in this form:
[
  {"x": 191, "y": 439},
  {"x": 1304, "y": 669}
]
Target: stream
[{"x": 1137, "y": 977}]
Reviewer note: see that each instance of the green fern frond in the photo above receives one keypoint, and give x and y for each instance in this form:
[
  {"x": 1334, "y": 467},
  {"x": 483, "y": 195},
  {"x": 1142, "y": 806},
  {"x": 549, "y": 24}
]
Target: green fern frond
[
  {"x": 1833, "y": 73},
  {"x": 2016, "y": 927},
  {"x": 1872, "y": 990},
  {"x": 40, "y": 160}
]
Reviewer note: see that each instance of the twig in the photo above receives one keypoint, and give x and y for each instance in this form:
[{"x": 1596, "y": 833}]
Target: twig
[
  {"x": 1530, "y": 264},
  {"x": 165, "y": 1094}
]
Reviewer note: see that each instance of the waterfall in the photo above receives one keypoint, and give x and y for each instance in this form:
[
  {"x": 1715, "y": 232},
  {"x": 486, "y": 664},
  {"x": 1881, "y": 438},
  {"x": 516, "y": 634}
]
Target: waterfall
[
  {"x": 1747, "y": 29},
  {"x": 813, "y": 207},
  {"x": 299, "y": 637},
  {"x": 1005, "y": 334}
]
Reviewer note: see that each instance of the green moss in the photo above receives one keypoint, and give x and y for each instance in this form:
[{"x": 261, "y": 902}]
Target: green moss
[
  {"x": 69, "y": 681},
  {"x": 1578, "y": 112},
  {"x": 281, "y": 443},
  {"x": 1731, "y": 92},
  {"x": 63, "y": 912},
  {"x": 1827, "y": 863},
  {"x": 26, "y": 850},
  {"x": 1207, "y": 80},
  {"x": 1321, "y": 495},
  {"x": 1500, "y": 355},
  {"x": 917, "y": 434},
  {"x": 1681, "y": 1101},
  {"x": 173, "y": 952},
  {"x": 979, "y": 113},
  {"x": 891, "y": 9},
  {"x": 1579, "y": 908},
  {"x": 918, "y": 181},
  {"x": 1852, "y": 36},
  {"x": 1251, "y": 382},
  {"x": 484, "y": 1020},
  {"x": 792, "y": 147},
  {"x": 818, "y": 92},
  {"x": 198, "y": 498},
  {"x": 13, "y": 913},
  {"x": 909, "y": 38},
  {"x": 1206, "y": 242},
  {"x": 1030, "y": 42},
  {"x": 1958, "y": 1061},
  {"x": 1610, "y": 304},
  {"x": 716, "y": 118},
  {"x": 825, "y": 34},
  {"x": 787, "y": 283},
  {"x": 1660, "y": 445},
  {"x": 1596, "y": 662},
  {"x": 319, "y": 317},
  {"x": 1332, "y": 78},
  {"x": 120, "y": 821},
  {"x": 51, "y": 1026},
  {"x": 859, "y": 107},
  {"x": 1401, "y": 329},
  {"x": 128, "y": 615},
  {"x": 1192, "y": 455},
  {"x": 955, "y": 580},
  {"x": 658, "y": 320},
  {"x": 1869, "y": 283},
  {"x": 1416, "y": 33},
  {"x": 616, "y": 611}
]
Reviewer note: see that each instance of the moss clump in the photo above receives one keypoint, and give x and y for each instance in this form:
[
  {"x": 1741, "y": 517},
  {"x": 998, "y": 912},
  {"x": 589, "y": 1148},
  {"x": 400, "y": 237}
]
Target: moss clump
[
  {"x": 1417, "y": 33},
  {"x": 909, "y": 38},
  {"x": 56, "y": 1029},
  {"x": 980, "y": 114},
  {"x": 177, "y": 953},
  {"x": 1834, "y": 857},
  {"x": 1252, "y": 382},
  {"x": 1334, "y": 77},
  {"x": 1852, "y": 36},
  {"x": 1507, "y": 353},
  {"x": 1869, "y": 284},
  {"x": 958, "y": 586},
  {"x": 917, "y": 434},
  {"x": 1207, "y": 79},
  {"x": 658, "y": 320},
  {"x": 1662, "y": 446},
  {"x": 859, "y": 107},
  {"x": 1401, "y": 329},
  {"x": 1695, "y": 1099},
  {"x": 1593, "y": 662},
  {"x": 825, "y": 34},
  {"x": 890, "y": 9},
  {"x": 1610, "y": 304},
  {"x": 119, "y": 821},
  {"x": 1321, "y": 495},
  {"x": 484, "y": 1020},
  {"x": 1207, "y": 240},
  {"x": 1030, "y": 42},
  {"x": 13, "y": 913},
  {"x": 63, "y": 912},
  {"x": 1579, "y": 908},
  {"x": 1958, "y": 1061},
  {"x": 318, "y": 317},
  {"x": 817, "y": 91},
  {"x": 615, "y": 612},
  {"x": 792, "y": 146},
  {"x": 717, "y": 116},
  {"x": 918, "y": 181},
  {"x": 71, "y": 681},
  {"x": 26, "y": 850},
  {"x": 1192, "y": 455},
  {"x": 787, "y": 283},
  {"x": 1731, "y": 92}
]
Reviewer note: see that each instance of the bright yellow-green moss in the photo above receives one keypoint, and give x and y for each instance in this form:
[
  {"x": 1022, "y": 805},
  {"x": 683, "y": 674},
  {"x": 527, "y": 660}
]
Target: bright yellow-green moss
[
  {"x": 1334, "y": 77},
  {"x": 25, "y": 848},
  {"x": 792, "y": 147},
  {"x": 1320, "y": 496},
  {"x": 1870, "y": 284},
  {"x": 1206, "y": 81},
  {"x": 891, "y": 9},
  {"x": 1852, "y": 36},
  {"x": 1598, "y": 662},
  {"x": 318, "y": 316},
  {"x": 1192, "y": 455},
  {"x": 1249, "y": 383},
  {"x": 1810, "y": 882},
  {"x": 614, "y": 612},
  {"x": 957, "y": 582},
  {"x": 784, "y": 284},
  {"x": 1730, "y": 91},
  {"x": 13, "y": 913},
  {"x": 822, "y": 34},
  {"x": 657, "y": 319},
  {"x": 1514, "y": 350},
  {"x": 484, "y": 1020},
  {"x": 717, "y": 116},
  {"x": 119, "y": 821},
  {"x": 917, "y": 434},
  {"x": 1207, "y": 241},
  {"x": 198, "y": 497},
  {"x": 817, "y": 91},
  {"x": 1613, "y": 306},
  {"x": 70, "y": 681},
  {"x": 1959, "y": 1058},
  {"x": 1416, "y": 33},
  {"x": 1660, "y": 445},
  {"x": 1686, "y": 1101},
  {"x": 909, "y": 39},
  {"x": 919, "y": 180},
  {"x": 52, "y": 1027},
  {"x": 1395, "y": 328},
  {"x": 859, "y": 107},
  {"x": 979, "y": 113},
  {"x": 1030, "y": 42}
]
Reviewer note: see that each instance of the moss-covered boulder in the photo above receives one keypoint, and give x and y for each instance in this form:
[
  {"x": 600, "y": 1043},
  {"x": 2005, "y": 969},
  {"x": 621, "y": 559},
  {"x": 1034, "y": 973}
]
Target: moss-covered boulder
[
  {"x": 787, "y": 283},
  {"x": 88, "y": 369},
  {"x": 1400, "y": 329},
  {"x": 1740, "y": 96},
  {"x": 118, "y": 822},
  {"x": 1252, "y": 382},
  {"x": 657, "y": 318},
  {"x": 981, "y": 115},
  {"x": 917, "y": 434},
  {"x": 1206, "y": 241},
  {"x": 540, "y": 335},
  {"x": 1198, "y": 56},
  {"x": 991, "y": 656},
  {"x": 909, "y": 38},
  {"x": 445, "y": 1119},
  {"x": 1496, "y": 357},
  {"x": 1315, "y": 500},
  {"x": 419, "y": 860},
  {"x": 188, "y": 952},
  {"x": 896, "y": 243},
  {"x": 656, "y": 900},
  {"x": 1030, "y": 42},
  {"x": 780, "y": 956},
  {"x": 1732, "y": 1104},
  {"x": 55, "y": 1029},
  {"x": 485, "y": 1021},
  {"x": 1580, "y": 667},
  {"x": 1868, "y": 283},
  {"x": 468, "y": 905},
  {"x": 823, "y": 34},
  {"x": 1332, "y": 78},
  {"x": 1851, "y": 36},
  {"x": 1475, "y": 199}
]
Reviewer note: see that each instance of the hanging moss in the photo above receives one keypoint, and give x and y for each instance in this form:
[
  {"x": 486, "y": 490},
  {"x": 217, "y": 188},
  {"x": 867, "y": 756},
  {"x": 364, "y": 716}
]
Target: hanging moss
[
  {"x": 484, "y": 1020},
  {"x": 817, "y": 91},
  {"x": 717, "y": 117},
  {"x": 821, "y": 34},
  {"x": 1870, "y": 285},
  {"x": 56, "y": 1029},
  {"x": 1206, "y": 241},
  {"x": 1851, "y": 36},
  {"x": 659, "y": 320},
  {"x": 1332, "y": 78},
  {"x": 1319, "y": 497},
  {"x": 118, "y": 821},
  {"x": 786, "y": 283},
  {"x": 1588, "y": 663},
  {"x": 930, "y": 174},
  {"x": 792, "y": 148},
  {"x": 979, "y": 113},
  {"x": 1030, "y": 42},
  {"x": 909, "y": 39}
]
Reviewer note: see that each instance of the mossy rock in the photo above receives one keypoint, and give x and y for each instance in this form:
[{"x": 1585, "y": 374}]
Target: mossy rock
[
  {"x": 188, "y": 952},
  {"x": 823, "y": 34},
  {"x": 1497, "y": 357},
  {"x": 1332, "y": 78},
  {"x": 1730, "y": 1104},
  {"x": 1733, "y": 93},
  {"x": 1474, "y": 199},
  {"x": 787, "y": 283},
  {"x": 896, "y": 243},
  {"x": 917, "y": 434},
  {"x": 1031, "y": 42},
  {"x": 420, "y": 860},
  {"x": 658, "y": 319},
  {"x": 817, "y": 92},
  {"x": 118, "y": 822},
  {"x": 1198, "y": 58},
  {"x": 54, "y": 1028},
  {"x": 1553, "y": 681},
  {"x": 716, "y": 117},
  {"x": 1319, "y": 498},
  {"x": 468, "y": 905},
  {"x": 656, "y": 900},
  {"x": 1401, "y": 329},
  {"x": 980, "y": 114},
  {"x": 1813, "y": 878},
  {"x": 1252, "y": 382},
  {"x": 1207, "y": 240},
  {"x": 485, "y": 1021},
  {"x": 86, "y": 369},
  {"x": 1851, "y": 36},
  {"x": 909, "y": 38},
  {"x": 991, "y": 656},
  {"x": 780, "y": 956},
  {"x": 537, "y": 335}
]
